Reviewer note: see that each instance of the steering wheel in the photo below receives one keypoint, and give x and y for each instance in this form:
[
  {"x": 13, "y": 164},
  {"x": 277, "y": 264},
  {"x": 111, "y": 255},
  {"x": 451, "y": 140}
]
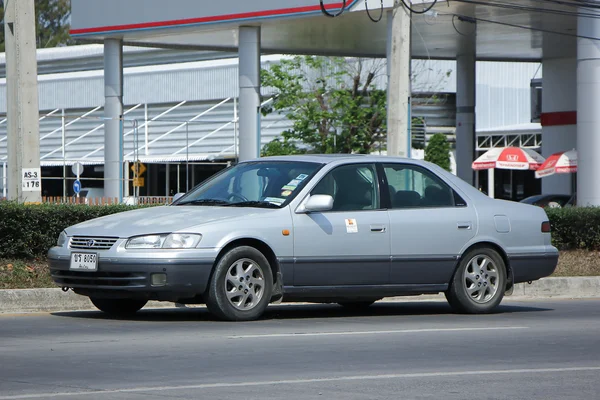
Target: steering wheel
[{"x": 238, "y": 196}]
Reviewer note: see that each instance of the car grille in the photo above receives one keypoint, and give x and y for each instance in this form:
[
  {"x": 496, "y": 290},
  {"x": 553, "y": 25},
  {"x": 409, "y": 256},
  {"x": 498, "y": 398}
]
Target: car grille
[
  {"x": 99, "y": 279},
  {"x": 92, "y": 243}
]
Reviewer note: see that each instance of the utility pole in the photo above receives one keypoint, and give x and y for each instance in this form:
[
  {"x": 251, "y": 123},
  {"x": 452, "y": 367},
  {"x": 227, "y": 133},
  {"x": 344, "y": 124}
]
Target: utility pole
[
  {"x": 398, "y": 64},
  {"x": 24, "y": 175}
]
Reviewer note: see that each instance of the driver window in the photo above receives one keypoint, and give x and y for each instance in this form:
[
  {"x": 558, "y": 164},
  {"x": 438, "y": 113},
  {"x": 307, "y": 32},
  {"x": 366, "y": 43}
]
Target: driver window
[{"x": 353, "y": 188}]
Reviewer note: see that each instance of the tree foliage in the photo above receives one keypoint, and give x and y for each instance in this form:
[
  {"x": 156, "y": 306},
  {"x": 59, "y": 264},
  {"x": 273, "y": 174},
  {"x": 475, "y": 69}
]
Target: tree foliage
[
  {"x": 52, "y": 23},
  {"x": 334, "y": 105},
  {"x": 437, "y": 151}
]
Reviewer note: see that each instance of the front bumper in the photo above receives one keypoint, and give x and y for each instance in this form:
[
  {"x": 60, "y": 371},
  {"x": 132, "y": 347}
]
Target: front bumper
[{"x": 130, "y": 275}]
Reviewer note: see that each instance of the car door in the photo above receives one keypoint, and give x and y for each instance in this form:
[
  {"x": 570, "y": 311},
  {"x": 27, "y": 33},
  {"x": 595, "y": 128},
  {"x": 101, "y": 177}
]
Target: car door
[
  {"x": 350, "y": 244},
  {"x": 429, "y": 225}
]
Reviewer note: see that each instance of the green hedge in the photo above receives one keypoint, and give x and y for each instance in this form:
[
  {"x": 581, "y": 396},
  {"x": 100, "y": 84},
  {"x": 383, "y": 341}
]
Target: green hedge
[
  {"x": 28, "y": 231},
  {"x": 575, "y": 227}
]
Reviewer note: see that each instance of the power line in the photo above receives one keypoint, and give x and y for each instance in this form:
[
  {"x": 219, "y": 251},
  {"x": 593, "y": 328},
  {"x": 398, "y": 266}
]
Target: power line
[
  {"x": 423, "y": 11},
  {"x": 466, "y": 17},
  {"x": 330, "y": 15},
  {"x": 514, "y": 6}
]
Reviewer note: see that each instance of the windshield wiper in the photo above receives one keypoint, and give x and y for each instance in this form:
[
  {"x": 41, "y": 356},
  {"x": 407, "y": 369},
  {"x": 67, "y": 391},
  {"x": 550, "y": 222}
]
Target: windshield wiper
[
  {"x": 204, "y": 202},
  {"x": 263, "y": 204}
]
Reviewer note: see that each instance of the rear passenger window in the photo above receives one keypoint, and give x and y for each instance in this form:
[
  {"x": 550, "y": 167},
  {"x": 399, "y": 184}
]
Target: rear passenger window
[{"x": 413, "y": 187}]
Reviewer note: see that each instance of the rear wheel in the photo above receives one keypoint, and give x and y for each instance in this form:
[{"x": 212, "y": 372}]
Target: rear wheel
[
  {"x": 118, "y": 307},
  {"x": 478, "y": 283},
  {"x": 241, "y": 285}
]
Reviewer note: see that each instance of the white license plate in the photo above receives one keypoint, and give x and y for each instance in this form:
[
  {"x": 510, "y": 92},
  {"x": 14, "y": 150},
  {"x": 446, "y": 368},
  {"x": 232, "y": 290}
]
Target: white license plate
[{"x": 84, "y": 262}]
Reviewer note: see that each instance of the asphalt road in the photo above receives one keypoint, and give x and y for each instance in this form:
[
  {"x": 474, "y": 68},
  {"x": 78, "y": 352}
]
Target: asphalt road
[{"x": 529, "y": 350}]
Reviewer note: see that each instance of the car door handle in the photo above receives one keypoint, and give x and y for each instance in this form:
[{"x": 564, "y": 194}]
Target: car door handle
[
  {"x": 464, "y": 225},
  {"x": 378, "y": 228}
]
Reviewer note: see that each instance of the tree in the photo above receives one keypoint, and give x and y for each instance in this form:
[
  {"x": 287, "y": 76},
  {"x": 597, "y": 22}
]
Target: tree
[
  {"x": 437, "y": 151},
  {"x": 337, "y": 105},
  {"x": 334, "y": 105},
  {"x": 52, "y": 23}
]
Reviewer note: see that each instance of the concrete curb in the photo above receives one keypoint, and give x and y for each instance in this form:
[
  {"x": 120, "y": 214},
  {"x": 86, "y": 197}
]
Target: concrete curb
[{"x": 54, "y": 299}]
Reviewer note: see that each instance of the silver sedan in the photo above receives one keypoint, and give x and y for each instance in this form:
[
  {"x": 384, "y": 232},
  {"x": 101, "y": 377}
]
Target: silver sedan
[{"x": 349, "y": 229}]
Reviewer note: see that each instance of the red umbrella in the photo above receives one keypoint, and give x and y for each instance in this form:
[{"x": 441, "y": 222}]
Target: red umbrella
[
  {"x": 564, "y": 162},
  {"x": 509, "y": 158}
]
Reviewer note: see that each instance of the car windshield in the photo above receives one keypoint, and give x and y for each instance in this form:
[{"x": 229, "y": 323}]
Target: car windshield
[{"x": 268, "y": 184}]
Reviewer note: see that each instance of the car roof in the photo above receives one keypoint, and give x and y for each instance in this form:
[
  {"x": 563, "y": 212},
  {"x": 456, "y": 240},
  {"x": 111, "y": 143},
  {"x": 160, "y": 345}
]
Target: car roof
[{"x": 339, "y": 158}]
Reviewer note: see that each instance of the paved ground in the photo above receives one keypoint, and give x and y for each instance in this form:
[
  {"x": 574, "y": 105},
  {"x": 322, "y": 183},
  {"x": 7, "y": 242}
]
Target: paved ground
[{"x": 531, "y": 350}]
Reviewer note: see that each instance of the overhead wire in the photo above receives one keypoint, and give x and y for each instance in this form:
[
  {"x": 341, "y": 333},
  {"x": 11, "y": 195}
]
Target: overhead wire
[
  {"x": 369, "y": 13},
  {"x": 333, "y": 15},
  {"x": 423, "y": 11},
  {"x": 519, "y": 7}
]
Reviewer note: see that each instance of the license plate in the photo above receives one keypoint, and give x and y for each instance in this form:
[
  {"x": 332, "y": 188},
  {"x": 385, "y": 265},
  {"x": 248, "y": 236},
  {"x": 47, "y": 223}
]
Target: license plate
[{"x": 84, "y": 262}]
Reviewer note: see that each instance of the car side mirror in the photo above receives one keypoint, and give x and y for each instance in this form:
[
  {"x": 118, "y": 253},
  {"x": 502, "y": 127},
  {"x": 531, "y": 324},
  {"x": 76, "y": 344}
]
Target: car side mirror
[
  {"x": 177, "y": 197},
  {"x": 318, "y": 203}
]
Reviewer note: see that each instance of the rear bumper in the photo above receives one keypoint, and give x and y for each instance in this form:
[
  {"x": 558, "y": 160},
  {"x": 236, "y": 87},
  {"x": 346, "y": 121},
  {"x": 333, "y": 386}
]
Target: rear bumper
[
  {"x": 131, "y": 277},
  {"x": 531, "y": 267}
]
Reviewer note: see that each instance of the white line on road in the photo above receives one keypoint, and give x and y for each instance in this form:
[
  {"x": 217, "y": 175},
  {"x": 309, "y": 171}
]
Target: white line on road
[
  {"x": 304, "y": 381},
  {"x": 304, "y": 334}
]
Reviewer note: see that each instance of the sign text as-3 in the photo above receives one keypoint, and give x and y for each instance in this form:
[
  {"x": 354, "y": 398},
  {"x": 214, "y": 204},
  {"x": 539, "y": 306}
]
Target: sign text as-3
[{"x": 31, "y": 179}]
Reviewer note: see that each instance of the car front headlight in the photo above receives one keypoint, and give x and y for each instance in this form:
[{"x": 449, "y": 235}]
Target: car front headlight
[
  {"x": 62, "y": 239},
  {"x": 172, "y": 241}
]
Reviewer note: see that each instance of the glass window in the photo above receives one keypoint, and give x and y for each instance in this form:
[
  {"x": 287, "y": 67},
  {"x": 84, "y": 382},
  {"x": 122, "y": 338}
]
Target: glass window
[
  {"x": 253, "y": 184},
  {"x": 411, "y": 186},
  {"x": 353, "y": 187}
]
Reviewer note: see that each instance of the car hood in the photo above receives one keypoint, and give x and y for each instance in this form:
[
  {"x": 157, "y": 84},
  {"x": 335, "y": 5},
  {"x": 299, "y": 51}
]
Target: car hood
[{"x": 163, "y": 219}]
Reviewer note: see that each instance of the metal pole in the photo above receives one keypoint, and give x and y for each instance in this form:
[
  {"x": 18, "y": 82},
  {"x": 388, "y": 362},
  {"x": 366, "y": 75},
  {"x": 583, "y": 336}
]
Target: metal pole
[
  {"x": 178, "y": 178},
  {"x": 187, "y": 158},
  {"x": 235, "y": 129},
  {"x": 167, "y": 180},
  {"x": 113, "y": 111},
  {"x": 249, "y": 81},
  {"x": 146, "y": 127},
  {"x": 64, "y": 154},
  {"x": 4, "y": 179}
]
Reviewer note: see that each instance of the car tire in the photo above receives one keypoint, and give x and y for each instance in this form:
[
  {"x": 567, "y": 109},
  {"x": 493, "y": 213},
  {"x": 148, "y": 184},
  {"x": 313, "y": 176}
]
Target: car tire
[
  {"x": 357, "y": 305},
  {"x": 478, "y": 284},
  {"x": 118, "y": 307},
  {"x": 241, "y": 285}
]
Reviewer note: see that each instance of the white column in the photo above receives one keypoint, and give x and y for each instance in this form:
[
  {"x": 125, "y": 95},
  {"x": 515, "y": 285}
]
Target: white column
[
  {"x": 588, "y": 112},
  {"x": 465, "y": 114},
  {"x": 23, "y": 140},
  {"x": 113, "y": 111},
  {"x": 559, "y": 129},
  {"x": 249, "y": 81},
  {"x": 398, "y": 64}
]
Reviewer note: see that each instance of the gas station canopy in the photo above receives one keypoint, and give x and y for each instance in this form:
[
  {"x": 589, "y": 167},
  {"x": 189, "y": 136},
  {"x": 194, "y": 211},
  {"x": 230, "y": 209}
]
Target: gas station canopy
[{"x": 527, "y": 31}]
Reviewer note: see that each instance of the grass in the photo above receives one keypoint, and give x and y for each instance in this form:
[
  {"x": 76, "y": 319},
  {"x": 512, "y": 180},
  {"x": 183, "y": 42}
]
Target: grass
[{"x": 19, "y": 274}]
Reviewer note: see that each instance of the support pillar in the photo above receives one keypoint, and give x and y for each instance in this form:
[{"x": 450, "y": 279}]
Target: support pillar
[
  {"x": 23, "y": 142},
  {"x": 588, "y": 115},
  {"x": 398, "y": 64},
  {"x": 559, "y": 118},
  {"x": 113, "y": 112},
  {"x": 249, "y": 81},
  {"x": 465, "y": 114}
]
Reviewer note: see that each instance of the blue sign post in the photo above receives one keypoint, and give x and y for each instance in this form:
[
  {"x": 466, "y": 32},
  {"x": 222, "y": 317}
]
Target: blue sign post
[{"x": 77, "y": 186}]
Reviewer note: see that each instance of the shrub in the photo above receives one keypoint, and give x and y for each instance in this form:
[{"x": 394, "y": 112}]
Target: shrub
[
  {"x": 438, "y": 151},
  {"x": 575, "y": 227},
  {"x": 28, "y": 231}
]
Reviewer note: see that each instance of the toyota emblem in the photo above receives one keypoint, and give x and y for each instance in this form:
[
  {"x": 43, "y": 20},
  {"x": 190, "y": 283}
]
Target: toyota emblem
[{"x": 90, "y": 243}]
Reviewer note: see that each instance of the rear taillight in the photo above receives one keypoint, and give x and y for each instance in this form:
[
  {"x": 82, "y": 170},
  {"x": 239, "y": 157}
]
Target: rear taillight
[{"x": 546, "y": 227}]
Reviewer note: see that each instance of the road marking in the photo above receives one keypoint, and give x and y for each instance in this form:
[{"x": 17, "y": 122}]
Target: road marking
[
  {"x": 304, "y": 381},
  {"x": 348, "y": 333}
]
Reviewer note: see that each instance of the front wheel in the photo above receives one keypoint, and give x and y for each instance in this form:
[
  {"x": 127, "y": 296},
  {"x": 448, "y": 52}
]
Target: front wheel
[
  {"x": 118, "y": 307},
  {"x": 478, "y": 283},
  {"x": 241, "y": 285}
]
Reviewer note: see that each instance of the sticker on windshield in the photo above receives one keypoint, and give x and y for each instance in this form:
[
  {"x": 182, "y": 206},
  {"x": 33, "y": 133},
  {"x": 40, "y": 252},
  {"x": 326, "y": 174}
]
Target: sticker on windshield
[
  {"x": 301, "y": 177},
  {"x": 275, "y": 200},
  {"x": 288, "y": 187},
  {"x": 286, "y": 193},
  {"x": 351, "y": 225},
  {"x": 294, "y": 182}
]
